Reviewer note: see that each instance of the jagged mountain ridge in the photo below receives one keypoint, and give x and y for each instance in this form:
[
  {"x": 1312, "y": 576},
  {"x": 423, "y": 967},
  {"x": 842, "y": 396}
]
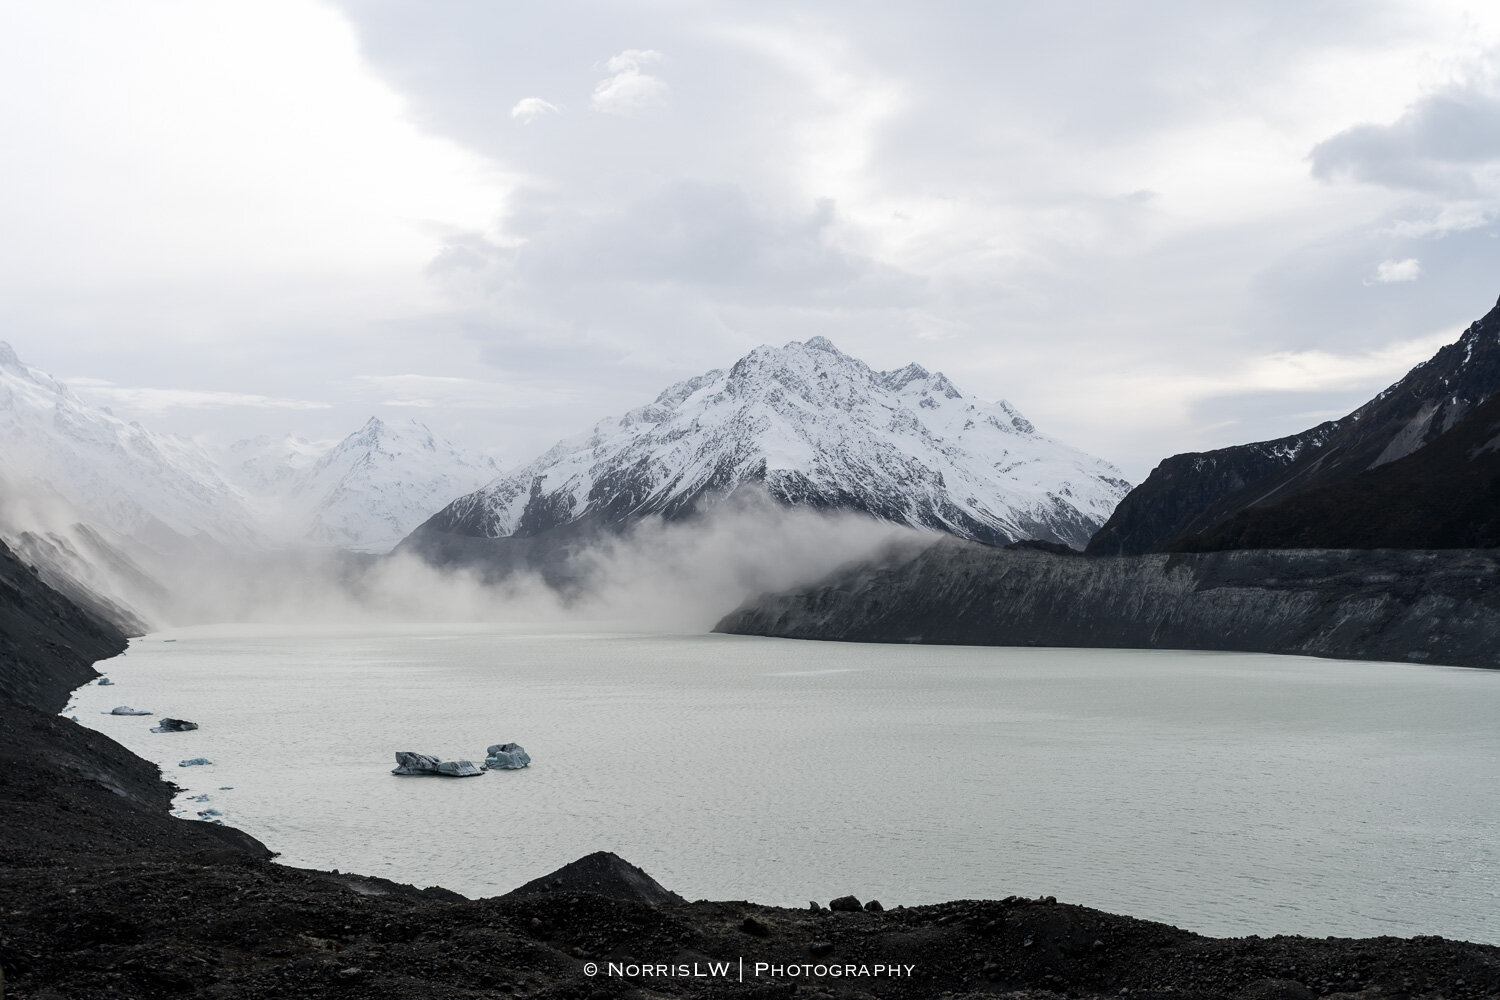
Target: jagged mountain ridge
[
  {"x": 813, "y": 427},
  {"x": 373, "y": 488},
  {"x": 154, "y": 488},
  {"x": 365, "y": 492},
  {"x": 68, "y": 461},
  {"x": 1445, "y": 495},
  {"x": 1192, "y": 494}
]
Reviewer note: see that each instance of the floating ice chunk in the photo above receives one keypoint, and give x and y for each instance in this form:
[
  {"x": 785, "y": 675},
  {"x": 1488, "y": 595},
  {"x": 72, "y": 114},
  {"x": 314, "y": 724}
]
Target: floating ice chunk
[
  {"x": 408, "y": 762},
  {"x": 506, "y": 757}
]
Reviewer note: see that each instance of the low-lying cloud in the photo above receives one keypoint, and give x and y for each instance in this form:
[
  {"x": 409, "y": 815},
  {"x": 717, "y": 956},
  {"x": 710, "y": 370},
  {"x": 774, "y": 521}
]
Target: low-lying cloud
[{"x": 680, "y": 576}]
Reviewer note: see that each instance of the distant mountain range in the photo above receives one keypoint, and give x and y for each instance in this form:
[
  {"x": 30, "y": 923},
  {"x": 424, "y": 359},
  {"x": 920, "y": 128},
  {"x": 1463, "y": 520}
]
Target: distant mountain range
[
  {"x": 1415, "y": 467},
  {"x": 364, "y": 493},
  {"x": 67, "y": 461},
  {"x": 60, "y": 451},
  {"x": 810, "y": 426}
]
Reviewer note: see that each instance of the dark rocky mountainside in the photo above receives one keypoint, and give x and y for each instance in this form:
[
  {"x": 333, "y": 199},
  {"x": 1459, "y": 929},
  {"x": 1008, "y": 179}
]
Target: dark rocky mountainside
[
  {"x": 1444, "y": 496},
  {"x": 1195, "y": 494},
  {"x": 47, "y": 642},
  {"x": 64, "y": 788},
  {"x": 1418, "y": 606}
]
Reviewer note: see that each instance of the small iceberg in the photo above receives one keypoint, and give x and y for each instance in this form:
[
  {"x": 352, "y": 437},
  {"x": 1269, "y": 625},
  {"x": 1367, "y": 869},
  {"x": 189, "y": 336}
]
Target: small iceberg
[
  {"x": 421, "y": 763},
  {"x": 174, "y": 726},
  {"x": 506, "y": 757},
  {"x": 125, "y": 710},
  {"x": 208, "y": 813},
  {"x": 194, "y": 762},
  {"x": 105, "y": 682}
]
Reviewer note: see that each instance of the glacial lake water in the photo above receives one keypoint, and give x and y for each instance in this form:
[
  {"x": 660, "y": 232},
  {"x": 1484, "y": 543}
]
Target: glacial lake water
[{"x": 1227, "y": 793}]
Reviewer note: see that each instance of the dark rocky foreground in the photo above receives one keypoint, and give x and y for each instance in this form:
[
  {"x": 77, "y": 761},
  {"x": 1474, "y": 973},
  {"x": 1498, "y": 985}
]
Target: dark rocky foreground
[
  {"x": 102, "y": 894},
  {"x": 1439, "y": 607}
]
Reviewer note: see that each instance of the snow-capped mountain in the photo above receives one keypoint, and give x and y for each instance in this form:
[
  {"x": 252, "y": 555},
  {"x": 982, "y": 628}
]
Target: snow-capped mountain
[
  {"x": 814, "y": 427},
  {"x": 150, "y": 487},
  {"x": 374, "y": 487},
  {"x": 270, "y": 466},
  {"x": 365, "y": 493}
]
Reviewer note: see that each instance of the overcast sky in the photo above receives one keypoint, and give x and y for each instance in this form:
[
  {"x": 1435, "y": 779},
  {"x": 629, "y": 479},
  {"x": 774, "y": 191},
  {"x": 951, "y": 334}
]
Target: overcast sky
[{"x": 1151, "y": 227}]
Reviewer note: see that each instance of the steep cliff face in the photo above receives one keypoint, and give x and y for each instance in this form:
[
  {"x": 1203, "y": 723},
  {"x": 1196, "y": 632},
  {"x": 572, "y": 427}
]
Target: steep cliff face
[
  {"x": 1193, "y": 494},
  {"x": 48, "y": 644},
  {"x": 1444, "y": 496},
  {"x": 1424, "y": 607}
]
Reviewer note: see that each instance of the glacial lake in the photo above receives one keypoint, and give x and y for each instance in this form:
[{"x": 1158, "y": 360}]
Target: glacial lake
[{"x": 1226, "y": 793}]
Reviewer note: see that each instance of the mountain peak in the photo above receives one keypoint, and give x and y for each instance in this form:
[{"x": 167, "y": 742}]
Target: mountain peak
[
  {"x": 812, "y": 427},
  {"x": 8, "y": 357}
]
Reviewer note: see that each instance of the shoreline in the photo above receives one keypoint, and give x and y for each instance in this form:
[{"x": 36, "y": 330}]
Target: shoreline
[
  {"x": 126, "y": 901},
  {"x": 1226, "y": 898},
  {"x": 107, "y": 895}
]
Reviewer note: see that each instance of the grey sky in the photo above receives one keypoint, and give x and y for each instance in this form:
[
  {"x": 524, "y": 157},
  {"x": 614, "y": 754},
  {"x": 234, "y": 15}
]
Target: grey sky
[{"x": 1151, "y": 227}]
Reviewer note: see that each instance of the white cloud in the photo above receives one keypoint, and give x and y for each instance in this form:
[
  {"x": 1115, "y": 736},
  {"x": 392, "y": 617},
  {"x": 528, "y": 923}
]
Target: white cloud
[
  {"x": 529, "y": 109},
  {"x": 148, "y": 400},
  {"x": 265, "y": 229},
  {"x": 631, "y": 60},
  {"x": 1390, "y": 272},
  {"x": 1445, "y": 219},
  {"x": 630, "y": 90},
  {"x": 449, "y": 392}
]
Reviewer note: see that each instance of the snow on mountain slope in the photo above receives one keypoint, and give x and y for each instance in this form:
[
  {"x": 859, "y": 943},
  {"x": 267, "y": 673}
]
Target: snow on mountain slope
[
  {"x": 151, "y": 487},
  {"x": 815, "y": 427},
  {"x": 270, "y": 466},
  {"x": 378, "y": 484},
  {"x": 366, "y": 492}
]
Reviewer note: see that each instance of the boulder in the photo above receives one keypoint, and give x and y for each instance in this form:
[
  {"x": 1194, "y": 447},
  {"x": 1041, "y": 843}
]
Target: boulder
[
  {"x": 506, "y": 757},
  {"x": 194, "y": 762},
  {"x": 408, "y": 762},
  {"x": 174, "y": 726},
  {"x": 845, "y": 904},
  {"x": 125, "y": 710}
]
